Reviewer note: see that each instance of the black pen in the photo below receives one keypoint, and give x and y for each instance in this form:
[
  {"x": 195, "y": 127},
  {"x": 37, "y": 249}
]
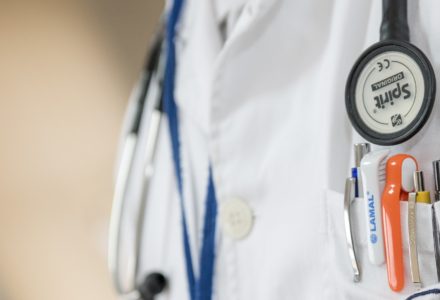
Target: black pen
[{"x": 435, "y": 230}]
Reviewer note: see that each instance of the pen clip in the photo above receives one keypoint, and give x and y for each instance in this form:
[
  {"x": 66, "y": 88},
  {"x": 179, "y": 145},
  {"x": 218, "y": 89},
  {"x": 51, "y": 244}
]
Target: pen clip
[
  {"x": 412, "y": 241},
  {"x": 348, "y": 198}
]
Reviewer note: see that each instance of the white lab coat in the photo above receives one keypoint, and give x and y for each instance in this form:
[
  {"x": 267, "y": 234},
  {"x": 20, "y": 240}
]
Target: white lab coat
[{"x": 266, "y": 108}]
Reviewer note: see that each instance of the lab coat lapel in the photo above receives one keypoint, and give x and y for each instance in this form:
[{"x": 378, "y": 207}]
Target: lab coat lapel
[
  {"x": 201, "y": 51},
  {"x": 198, "y": 44}
]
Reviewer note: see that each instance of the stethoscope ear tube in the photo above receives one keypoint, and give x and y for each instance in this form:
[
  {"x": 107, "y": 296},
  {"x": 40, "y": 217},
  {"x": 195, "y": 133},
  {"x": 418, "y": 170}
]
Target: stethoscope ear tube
[
  {"x": 151, "y": 66},
  {"x": 116, "y": 217},
  {"x": 152, "y": 74}
]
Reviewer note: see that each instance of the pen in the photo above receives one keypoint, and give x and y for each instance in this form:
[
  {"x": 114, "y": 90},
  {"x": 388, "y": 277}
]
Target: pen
[
  {"x": 436, "y": 166},
  {"x": 373, "y": 181},
  {"x": 420, "y": 196},
  {"x": 348, "y": 198},
  {"x": 360, "y": 150},
  {"x": 412, "y": 240},
  {"x": 423, "y": 196}
]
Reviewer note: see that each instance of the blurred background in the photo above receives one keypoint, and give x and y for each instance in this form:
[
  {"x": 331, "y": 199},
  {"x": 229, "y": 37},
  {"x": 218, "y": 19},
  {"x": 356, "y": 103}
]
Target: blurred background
[{"x": 66, "y": 71}]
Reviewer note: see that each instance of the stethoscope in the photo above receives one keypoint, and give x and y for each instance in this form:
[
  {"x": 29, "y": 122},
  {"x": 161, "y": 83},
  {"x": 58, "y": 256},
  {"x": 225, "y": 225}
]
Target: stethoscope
[
  {"x": 159, "y": 76},
  {"x": 390, "y": 91},
  {"x": 154, "y": 283}
]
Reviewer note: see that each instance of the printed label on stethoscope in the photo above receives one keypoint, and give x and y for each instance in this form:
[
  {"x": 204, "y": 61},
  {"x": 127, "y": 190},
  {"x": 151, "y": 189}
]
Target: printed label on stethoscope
[{"x": 389, "y": 92}]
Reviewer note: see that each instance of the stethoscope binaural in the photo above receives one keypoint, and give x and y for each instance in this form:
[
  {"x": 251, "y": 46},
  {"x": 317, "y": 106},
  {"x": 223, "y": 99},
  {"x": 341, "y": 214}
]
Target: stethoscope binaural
[
  {"x": 155, "y": 282},
  {"x": 390, "y": 91}
]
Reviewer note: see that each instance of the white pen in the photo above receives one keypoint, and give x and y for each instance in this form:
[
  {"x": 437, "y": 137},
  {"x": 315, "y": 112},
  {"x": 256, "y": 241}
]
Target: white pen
[{"x": 373, "y": 175}]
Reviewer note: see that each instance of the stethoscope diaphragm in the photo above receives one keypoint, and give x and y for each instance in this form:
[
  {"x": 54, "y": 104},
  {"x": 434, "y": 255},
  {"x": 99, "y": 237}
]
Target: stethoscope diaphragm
[{"x": 390, "y": 92}]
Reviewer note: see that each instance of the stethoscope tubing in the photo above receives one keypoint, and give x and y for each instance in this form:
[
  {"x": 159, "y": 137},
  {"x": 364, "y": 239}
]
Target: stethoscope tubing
[
  {"x": 116, "y": 220},
  {"x": 147, "y": 108},
  {"x": 130, "y": 146}
]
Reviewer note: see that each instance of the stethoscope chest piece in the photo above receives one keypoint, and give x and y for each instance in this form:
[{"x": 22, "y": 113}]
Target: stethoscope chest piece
[{"x": 390, "y": 92}]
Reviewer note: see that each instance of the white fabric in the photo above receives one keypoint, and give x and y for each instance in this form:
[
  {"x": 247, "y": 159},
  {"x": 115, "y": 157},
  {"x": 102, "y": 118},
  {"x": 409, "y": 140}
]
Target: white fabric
[
  {"x": 227, "y": 13},
  {"x": 266, "y": 108}
]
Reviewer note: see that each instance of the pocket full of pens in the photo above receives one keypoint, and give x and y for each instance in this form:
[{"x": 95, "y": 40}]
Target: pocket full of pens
[{"x": 384, "y": 181}]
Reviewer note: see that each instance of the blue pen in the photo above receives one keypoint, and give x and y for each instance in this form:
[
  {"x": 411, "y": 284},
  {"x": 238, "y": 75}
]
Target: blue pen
[
  {"x": 360, "y": 150},
  {"x": 354, "y": 175}
]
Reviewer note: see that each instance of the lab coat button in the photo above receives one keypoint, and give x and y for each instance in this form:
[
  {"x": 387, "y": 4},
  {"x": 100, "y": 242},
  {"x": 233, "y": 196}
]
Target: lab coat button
[{"x": 236, "y": 218}]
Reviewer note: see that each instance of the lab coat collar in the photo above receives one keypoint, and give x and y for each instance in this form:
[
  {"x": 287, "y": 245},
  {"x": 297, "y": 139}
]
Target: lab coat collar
[
  {"x": 197, "y": 11},
  {"x": 199, "y": 40}
]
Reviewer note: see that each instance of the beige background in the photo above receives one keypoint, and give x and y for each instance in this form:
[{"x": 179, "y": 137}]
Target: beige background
[{"x": 66, "y": 70}]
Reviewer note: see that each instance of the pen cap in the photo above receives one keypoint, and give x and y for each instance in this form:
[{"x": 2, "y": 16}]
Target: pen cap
[
  {"x": 359, "y": 152},
  {"x": 423, "y": 196}
]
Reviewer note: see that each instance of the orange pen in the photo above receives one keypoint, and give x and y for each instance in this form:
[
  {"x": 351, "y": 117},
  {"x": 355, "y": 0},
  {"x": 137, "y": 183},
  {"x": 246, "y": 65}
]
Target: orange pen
[{"x": 399, "y": 182}]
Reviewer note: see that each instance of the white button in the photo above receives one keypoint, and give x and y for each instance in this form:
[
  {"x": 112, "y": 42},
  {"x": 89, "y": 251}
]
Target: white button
[{"x": 236, "y": 218}]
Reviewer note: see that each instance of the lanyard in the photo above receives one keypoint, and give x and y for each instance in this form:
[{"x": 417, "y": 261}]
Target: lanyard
[{"x": 199, "y": 288}]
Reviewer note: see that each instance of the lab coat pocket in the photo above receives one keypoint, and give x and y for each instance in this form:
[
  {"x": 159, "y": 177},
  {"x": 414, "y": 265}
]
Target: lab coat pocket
[{"x": 374, "y": 282}]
